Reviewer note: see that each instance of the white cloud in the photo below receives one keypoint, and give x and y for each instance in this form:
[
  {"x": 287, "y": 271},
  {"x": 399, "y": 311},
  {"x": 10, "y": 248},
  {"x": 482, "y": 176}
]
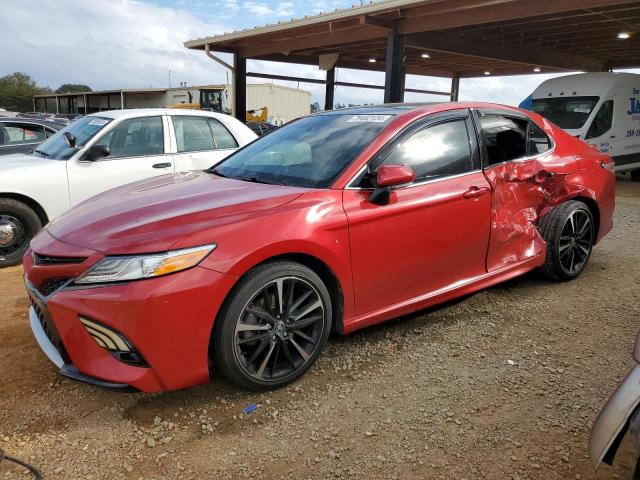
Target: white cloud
[{"x": 115, "y": 44}]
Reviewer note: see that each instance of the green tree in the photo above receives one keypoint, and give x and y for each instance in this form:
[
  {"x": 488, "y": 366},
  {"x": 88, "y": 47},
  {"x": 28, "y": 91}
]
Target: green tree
[
  {"x": 17, "y": 91},
  {"x": 315, "y": 107},
  {"x": 73, "y": 88}
]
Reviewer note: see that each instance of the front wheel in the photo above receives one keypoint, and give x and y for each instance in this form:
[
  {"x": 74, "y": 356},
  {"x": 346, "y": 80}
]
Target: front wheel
[
  {"x": 18, "y": 225},
  {"x": 569, "y": 232},
  {"x": 273, "y": 326}
]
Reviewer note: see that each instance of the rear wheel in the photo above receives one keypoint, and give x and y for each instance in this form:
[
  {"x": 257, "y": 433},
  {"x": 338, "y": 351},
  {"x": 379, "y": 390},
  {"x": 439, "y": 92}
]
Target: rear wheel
[
  {"x": 569, "y": 232},
  {"x": 273, "y": 327},
  {"x": 18, "y": 225}
]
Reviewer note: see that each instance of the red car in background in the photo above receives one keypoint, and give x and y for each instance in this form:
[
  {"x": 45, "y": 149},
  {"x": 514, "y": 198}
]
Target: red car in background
[{"x": 334, "y": 222}]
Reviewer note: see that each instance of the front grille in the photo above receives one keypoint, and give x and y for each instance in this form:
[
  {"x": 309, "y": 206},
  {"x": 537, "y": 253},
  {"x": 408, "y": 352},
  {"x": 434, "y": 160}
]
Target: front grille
[
  {"x": 48, "y": 260},
  {"x": 50, "y": 286}
]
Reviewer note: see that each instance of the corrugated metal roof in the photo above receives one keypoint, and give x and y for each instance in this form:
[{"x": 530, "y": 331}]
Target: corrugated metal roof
[{"x": 338, "y": 14}]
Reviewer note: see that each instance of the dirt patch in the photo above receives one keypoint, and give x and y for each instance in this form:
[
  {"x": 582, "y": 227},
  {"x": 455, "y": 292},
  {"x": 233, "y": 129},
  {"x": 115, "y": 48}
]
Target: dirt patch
[{"x": 502, "y": 384}]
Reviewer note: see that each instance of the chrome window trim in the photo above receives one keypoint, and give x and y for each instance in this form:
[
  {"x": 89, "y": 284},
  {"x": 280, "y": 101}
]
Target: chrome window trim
[{"x": 416, "y": 184}]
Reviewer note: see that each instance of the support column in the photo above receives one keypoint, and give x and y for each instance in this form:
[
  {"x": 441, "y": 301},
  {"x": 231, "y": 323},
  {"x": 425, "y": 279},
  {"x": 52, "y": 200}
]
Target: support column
[
  {"x": 329, "y": 89},
  {"x": 395, "y": 71},
  {"x": 121, "y": 100},
  {"x": 240, "y": 88},
  {"x": 57, "y": 104},
  {"x": 455, "y": 87}
]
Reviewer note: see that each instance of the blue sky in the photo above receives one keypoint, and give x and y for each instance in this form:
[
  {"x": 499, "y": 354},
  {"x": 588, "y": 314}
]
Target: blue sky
[{"x": 136, "y": 43}]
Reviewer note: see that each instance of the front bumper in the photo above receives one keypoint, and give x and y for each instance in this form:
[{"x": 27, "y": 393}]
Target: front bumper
[
  {"x": 168, "y": 319},
  {"x": 613, "y": 420}
]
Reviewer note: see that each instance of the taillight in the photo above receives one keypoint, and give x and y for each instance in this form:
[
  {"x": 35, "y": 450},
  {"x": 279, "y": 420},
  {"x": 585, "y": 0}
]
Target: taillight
[{"x": 608, "y": 164}]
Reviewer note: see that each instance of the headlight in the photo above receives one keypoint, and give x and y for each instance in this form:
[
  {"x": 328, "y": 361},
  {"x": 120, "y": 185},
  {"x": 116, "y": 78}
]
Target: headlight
[{"x": 133, "y": 267}]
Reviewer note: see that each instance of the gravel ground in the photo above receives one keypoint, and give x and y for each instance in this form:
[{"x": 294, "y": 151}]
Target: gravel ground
[{"x": 503, "y": 384}]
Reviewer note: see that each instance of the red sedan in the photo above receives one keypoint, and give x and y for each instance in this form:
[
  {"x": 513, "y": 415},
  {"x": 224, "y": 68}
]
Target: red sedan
[{"x": 334, "y": 222}]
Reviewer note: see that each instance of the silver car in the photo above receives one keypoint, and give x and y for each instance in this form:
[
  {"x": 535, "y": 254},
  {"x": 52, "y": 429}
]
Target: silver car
[{"x": 620, "y": 414}]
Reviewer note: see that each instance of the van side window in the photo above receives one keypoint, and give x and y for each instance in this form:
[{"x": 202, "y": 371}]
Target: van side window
[
  {"x": 537, "y": 141},
  {"x": 602, "y": 122},
  {"x": 505, "y": 138}
]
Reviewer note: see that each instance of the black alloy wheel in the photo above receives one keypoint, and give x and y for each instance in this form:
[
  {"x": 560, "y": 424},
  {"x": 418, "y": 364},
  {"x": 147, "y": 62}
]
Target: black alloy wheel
[
  {"x": 569, "y": 231},
  {"x": 273, "y": 326}
]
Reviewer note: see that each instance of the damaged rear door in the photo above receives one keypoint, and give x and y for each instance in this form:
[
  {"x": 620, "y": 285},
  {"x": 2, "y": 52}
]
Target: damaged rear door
[{"x": 527, "y": 178}]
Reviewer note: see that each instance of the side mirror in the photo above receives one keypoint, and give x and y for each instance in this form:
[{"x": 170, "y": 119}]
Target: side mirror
[
  {"x": 96, "y": 152},
  {"x": 70, "y": 139},
  {"x": 389, "y": 176}
]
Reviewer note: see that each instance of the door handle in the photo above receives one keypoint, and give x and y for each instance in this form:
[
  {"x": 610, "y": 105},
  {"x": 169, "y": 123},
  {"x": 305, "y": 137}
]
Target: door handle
[
  {"x": 475, "y": 192},
  {"x": 162, "y": 165}
]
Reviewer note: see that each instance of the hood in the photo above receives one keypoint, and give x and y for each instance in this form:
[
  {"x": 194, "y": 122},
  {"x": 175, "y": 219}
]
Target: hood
[
  {"x": 152, "y": 215},
  {"x": 22, "y": 160}
]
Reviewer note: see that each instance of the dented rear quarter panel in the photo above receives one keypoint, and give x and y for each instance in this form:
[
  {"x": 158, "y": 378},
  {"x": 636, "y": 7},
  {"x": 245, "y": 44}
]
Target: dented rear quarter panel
[{"x": 525, "y": 190}]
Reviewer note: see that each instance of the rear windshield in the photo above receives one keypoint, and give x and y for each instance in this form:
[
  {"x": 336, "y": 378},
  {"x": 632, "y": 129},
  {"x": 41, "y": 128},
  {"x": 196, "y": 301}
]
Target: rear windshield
[
  {"x": 569, "y": 113},
  {"x": 311, "y": 152}
]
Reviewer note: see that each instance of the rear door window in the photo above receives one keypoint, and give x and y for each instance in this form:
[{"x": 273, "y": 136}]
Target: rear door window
[
  {"x": 504, "y": 138},
  {"x": 193, "y": 134},
  {"x": 221, "y": 136},
  {"x": 537, "y": 140}
]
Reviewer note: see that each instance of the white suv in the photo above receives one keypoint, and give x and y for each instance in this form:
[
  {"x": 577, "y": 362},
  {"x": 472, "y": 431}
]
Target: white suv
[{"x": 102, "y": 151}]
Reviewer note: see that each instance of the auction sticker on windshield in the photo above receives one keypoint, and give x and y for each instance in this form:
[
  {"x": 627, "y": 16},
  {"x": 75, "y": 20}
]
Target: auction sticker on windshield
[
  {"x": 369, "y": 118},
  {"x": 99, "y": 121}
]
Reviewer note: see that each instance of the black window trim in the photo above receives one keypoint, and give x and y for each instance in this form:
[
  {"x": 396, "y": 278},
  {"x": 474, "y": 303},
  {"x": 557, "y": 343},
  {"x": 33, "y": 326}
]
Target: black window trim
[
  {"x": 480, "y": 112},
  {"x": 419, "y": 125}
]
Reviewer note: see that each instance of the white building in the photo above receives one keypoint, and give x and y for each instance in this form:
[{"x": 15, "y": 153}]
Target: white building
[{"x": 284, "y": 103}]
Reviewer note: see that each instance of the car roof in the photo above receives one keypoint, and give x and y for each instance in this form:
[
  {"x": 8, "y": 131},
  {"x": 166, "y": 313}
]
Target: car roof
[
  {"x": 148, "y": 112},
  {"x": 416, "y": 109}
]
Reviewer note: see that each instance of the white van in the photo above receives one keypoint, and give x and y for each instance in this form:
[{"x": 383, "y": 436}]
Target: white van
[{"x": 603, "y": 109}]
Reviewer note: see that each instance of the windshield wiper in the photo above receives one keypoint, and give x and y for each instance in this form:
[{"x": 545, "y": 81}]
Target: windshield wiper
[
  {"x": 44, "y": 154},
  {"x": 215, "y": 171}
]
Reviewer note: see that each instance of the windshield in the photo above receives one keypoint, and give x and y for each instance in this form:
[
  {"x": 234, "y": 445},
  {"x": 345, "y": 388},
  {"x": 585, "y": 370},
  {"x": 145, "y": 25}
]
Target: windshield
[
  {"x": 310, "y": 152},
  {"x": 569, "y": 113},
  {"x": 84, "y": 129}
]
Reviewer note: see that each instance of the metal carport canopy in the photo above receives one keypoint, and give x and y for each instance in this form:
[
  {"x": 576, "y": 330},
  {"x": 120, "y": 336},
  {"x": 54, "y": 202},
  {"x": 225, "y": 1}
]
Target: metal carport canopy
[{"x": 443, "y": 38}]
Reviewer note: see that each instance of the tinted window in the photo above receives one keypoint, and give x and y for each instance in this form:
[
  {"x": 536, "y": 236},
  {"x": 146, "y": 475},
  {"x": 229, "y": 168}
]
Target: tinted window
[
  {"x": 310, "y": 152},
  {"x": 221, "y": 136},
  {"x": 603, "y": 120},
  {"x": 193, "y": 134},
  {"x": 566, "y": 112},
  {"x": 504, "y": 138},
  {"x": 538, "y": 141},
  {"x": 135, "y": 137},
  {"x": 17, "y": 134},
  {"x": 436, "y": 151}
]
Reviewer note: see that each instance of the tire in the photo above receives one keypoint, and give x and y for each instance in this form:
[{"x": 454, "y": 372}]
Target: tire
[
  {"x": 569, "y": 231},
  {"x": 635, "y": 175},
  {"x": 18, "y": 225},
  {"x": 258, "y": 346}
]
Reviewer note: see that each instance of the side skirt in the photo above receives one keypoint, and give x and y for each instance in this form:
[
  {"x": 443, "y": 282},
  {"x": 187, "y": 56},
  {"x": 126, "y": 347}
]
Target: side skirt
[{"x": 457, "y": 289}]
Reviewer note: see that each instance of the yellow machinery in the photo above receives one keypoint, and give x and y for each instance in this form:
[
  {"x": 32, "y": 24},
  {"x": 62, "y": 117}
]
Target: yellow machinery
[{"x": 216, "y": 100}]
